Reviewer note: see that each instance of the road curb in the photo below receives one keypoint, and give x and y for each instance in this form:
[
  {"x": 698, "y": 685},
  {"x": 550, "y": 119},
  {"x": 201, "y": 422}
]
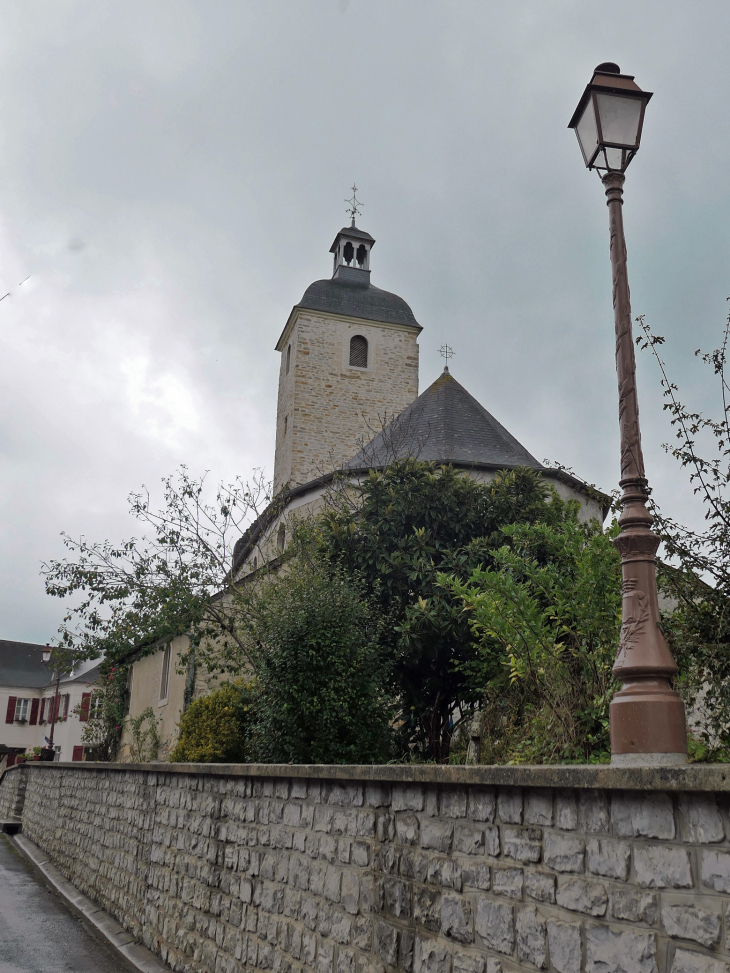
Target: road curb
[{"x": 116, "y": 935}]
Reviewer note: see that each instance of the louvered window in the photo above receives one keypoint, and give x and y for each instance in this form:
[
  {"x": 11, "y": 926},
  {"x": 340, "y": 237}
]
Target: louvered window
[{"x": 358, "y": 351}]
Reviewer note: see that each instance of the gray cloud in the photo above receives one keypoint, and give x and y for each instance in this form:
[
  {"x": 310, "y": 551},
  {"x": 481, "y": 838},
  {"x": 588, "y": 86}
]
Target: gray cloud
[{"x": 174, "y": 172}]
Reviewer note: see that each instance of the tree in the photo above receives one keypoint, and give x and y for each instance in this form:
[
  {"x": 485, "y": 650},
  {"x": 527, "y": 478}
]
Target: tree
[
  {"x": 546, "y": 617},
  {"x": 323, "y": 686},
  {"x": 132, "y": 597},
  {"x": 696, "y": 577},
  {"x": 397, "y": 531}
]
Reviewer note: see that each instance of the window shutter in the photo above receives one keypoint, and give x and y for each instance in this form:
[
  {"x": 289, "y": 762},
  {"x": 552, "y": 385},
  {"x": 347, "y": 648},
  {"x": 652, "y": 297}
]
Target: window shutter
[
  {"x": 66, "y": 698},
  {"x": 78, "y": 753},
  {"x": 10, "y": 715},
  {"x": 85, "y": 704},
  {"x": 34, "y": 712}
]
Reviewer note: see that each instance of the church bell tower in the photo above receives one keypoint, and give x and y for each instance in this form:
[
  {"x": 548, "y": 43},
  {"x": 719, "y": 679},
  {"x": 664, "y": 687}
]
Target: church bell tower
[{"x": 349, "y": 362}]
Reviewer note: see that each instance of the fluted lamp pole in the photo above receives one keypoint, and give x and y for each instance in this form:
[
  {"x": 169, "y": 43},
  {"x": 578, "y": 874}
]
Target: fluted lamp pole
[{"x": 647, "y": 715}]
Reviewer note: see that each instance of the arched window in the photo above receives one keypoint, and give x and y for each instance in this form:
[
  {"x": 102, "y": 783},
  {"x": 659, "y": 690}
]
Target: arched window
[
  {"x": 361, "y": 254},
  {"x": 281, "y": 538},
  {"x": 348, "y": 253},
  {"x": 359, "y": 351},
  {"x": 255, "y": 562},
  {"x": 288, "y": 359}
]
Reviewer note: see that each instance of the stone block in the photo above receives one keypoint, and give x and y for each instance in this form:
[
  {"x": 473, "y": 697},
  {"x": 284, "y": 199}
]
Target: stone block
[
  {"x": 427, "y": 907},
  {"x": 362, "y": 932},
  {"x": 566, "y": 810},
  {"x": 563, "y": 852},
  {"x": 456, "y": 919},
  {"x": 540, "y": 886},
  {"x": 611, "y": 951},
  {"x": 350, "y": 892},
  {"x": 361, "y": 854},
  {"x": 341, "y": 929},
  {"x": 407, "y": 829},
  {"x": 507, "y": 881},
  {"x": 345, "y": 961},
  {"x": 333, "y": 877},
  {"x": 531, "y": 937},
  {"x": 539, "y": 806},
  {"x": 407, "y": 797},
  {"x": 642, "y": 815},
  {"x": 690, "y": 962},
  {"x": 453, "y": 802},
  {"x": 414, "y": 864},
  {"x": 609, "y": 858},
  {"x": 565, "y": 946},
  {"x": 634, "y": 905},
  {"x": 469, "y": 838},
  {"x": 700, "y": 820},
  {"x": 323, "y": 819},
  {"x": 446, "y": 873},
  {"x": 660, "y": 866},
  {"x": 687, "y": 921},
  {"x": 476, "y": 875},
  {"x": 377, "y": 795},
  {"x": 328, "y": 848},
  {"x": 431, "y": 956},
  {"x": 396, "y": 898},
  {"x": 495, "y": 923},
  {"x": 344, "y": 794},
  {"x": 406, "y": 947},
  {"x": 509, "y": 805},
  {"x": 593, "y": 813},
  {"x": 579, "y": 895},
  {"x": 436, "y": 835},
  {"x": 464, "y": 962},
  {"x": 522, "y": 844},
  {"x": 298, "y": 789},
  {"x": 386, "y": 942},
  {"x": 715, "y": 870},
  {"x": 482, "y": 804}
]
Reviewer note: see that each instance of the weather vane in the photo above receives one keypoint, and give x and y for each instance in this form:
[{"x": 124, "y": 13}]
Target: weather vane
[
  {"x": 446, "y": 351},
  {"x": 354, "y": 204}
]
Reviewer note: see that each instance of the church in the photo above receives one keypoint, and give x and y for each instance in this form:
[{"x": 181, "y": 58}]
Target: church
[{"x": 348, "y": 402}]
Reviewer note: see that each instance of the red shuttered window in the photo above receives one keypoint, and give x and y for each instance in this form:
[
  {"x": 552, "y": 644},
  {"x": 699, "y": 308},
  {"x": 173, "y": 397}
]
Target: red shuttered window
[
  {"x": 66, "y": 699},
  {"x": 78, "y": 753},
  {"x": 85, "y": 704},
  {"x": 34, "y": 712},
  {"x": 10, "y": 715}
]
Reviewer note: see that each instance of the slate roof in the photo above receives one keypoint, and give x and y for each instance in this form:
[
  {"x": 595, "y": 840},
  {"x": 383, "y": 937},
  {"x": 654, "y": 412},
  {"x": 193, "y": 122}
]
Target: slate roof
[
  {"x": 356, "y": 300},
  {"x": 21, "y": 665},
  {"x": 446, "y": 424},
  {"x": 355, "y": 233}
]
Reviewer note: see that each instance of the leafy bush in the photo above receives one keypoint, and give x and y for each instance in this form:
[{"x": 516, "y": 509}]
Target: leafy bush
[
  {"x": 215, "y": 728},
  {"x": 547, "y": 617},
  {"x": 102, "y": 732},
  {"x": 324, "y": 695}
]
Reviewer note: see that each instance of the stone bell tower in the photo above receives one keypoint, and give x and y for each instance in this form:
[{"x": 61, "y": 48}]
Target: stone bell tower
[{"x": 349, "y": 359}]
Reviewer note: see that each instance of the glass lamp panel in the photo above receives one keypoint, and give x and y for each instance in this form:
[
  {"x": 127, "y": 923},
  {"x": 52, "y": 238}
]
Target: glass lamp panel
[
  {"x": 587, "y": 132},
  {"x": 620, "y": 117},
  {"x": 615, "y": 159}
]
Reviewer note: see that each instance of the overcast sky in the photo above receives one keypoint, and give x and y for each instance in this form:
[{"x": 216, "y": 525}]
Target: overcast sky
[{"x": 173, "y": 174}]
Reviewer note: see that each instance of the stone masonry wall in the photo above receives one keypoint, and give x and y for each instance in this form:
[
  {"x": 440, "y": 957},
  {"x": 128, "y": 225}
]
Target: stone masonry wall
[
  {"x": 330, "y": 406},
  {"x": 12, "y": 796},
  {"x": 363, "y": 870}
]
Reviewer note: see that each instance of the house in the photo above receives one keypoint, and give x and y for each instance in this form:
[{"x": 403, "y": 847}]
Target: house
[{"x": 28, "y": 700}]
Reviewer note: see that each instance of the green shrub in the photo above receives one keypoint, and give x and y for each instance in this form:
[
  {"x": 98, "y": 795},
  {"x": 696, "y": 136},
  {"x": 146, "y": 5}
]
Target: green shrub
[{"x": 214, "y": 729}]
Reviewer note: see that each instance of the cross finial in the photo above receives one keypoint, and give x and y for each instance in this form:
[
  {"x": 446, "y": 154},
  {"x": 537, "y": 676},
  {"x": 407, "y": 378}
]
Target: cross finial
[
  {"x": 354, "y": 205},
  {"x": 446, "y": 351}
]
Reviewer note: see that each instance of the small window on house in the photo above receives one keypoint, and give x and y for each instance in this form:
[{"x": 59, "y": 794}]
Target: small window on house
[
  {"x": 255, "y": 562},
  {"x": 288, "y": 359},
  {"x": 361, "y": 254},
  {"x": 358, "y": 351},
  {"x": 21, "y": 709},
  {"x": 281, "y": 538},
  {"x": 165, "y": 677}
]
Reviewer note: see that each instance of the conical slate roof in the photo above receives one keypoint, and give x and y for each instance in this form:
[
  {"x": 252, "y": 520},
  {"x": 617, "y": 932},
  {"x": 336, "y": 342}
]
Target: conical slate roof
[{"x": 445, "y": 425}]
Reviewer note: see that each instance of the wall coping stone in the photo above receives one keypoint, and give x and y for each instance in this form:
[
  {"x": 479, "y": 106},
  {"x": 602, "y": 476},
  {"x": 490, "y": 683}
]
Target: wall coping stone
[{"x": 692, "y": 777}]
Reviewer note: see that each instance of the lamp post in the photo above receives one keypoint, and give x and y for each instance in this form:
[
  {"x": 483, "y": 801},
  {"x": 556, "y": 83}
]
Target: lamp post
[
  {"x": 46, "y": 655},
  {"x": 646, "y": 715}
]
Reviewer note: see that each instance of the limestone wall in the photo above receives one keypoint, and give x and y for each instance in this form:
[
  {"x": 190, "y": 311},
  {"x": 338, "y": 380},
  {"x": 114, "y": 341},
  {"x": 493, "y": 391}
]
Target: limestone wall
[
  {"x": 327, "y": 408},
  {"x": 420, "y": 870}
]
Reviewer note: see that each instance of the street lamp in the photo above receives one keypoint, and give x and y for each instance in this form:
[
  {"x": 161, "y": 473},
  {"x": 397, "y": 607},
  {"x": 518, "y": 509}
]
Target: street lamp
[
  {"x": 647, "y": 715},
  {"x": 48, "y": 753}
]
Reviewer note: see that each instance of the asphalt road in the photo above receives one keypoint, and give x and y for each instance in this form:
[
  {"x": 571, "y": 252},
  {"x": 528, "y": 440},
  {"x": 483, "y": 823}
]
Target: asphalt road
[{"x": 38, "y": 932}]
